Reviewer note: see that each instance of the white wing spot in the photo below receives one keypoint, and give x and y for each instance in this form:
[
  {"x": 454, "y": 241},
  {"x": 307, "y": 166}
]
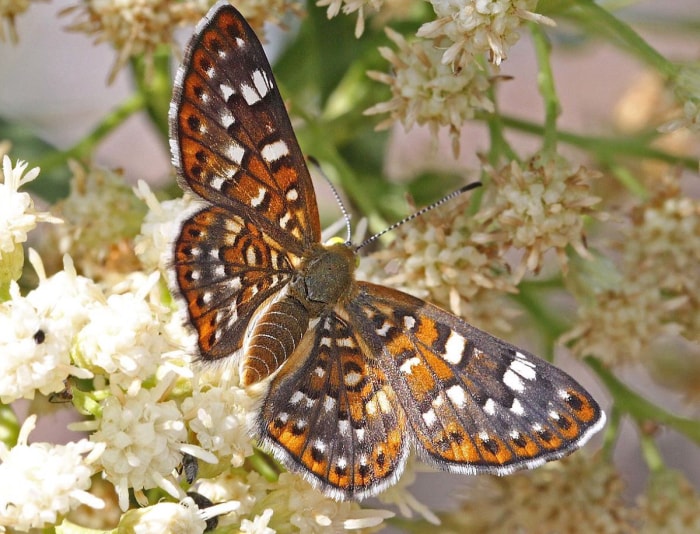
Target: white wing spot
[
  {"x": 292, "y": 195},
  {"x": 233, "y": 226},
  {"x": 360, "y": 433},
  {"x": 344, "y": 427},
  {"x": 383, "y": 401},
  {"x": 346, "y": 342},
  {"x": 274, "y": 151},
  {"x": 226, "y": 118},
  {"x": 429, "y": 417},
  {"x": 325, "y": 342},
  {"x": 195, "y": 274},
  {"x": 262, "y": 193},
  {"x": 513, "y": 381},
  {"x": 284, "y": 220},
  {"x": 319, "y": 372},
  {"x": 217, "y": 182},
  {"x": 438, "y": 401},
  {"x": 409, "y": 322},
  {"x": 319, "y": 445},
  {"x": 407, "y": 366},
  {"x": 210, "y": 72},
  {"x": 457, "y": 396},
  {"x": 490, "y": 407},
  {"x": 250, "y": 95},
  {"x": 328, "y": 403},
  {"x": 554, "y": 415},
  {"x": 226, "y": 91},
  {"x": 283, "y": 417},
  {"x": 454, "y": 348},
  {"x": 261, "y": 82},
  {"x": 235, "y": 152},
  {"x": 240, "y": 42},
  {"x": 251, "y": 256},
  {"x": 484, "y": 436},
  {"x": 352, "y": 378},
  {"x": 517, "y": 408},
  {"x": 524, "y": 370},
  {"x": 384, "y": 329},
  {"x": 296, "y": 398},
  {"x": 235, "y": 283},
  {"x": 342, "y": 463}
]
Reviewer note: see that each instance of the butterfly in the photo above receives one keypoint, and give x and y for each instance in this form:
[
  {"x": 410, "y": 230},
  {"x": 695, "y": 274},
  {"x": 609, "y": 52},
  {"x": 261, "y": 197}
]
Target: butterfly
[{"x": 359, "y": 374}]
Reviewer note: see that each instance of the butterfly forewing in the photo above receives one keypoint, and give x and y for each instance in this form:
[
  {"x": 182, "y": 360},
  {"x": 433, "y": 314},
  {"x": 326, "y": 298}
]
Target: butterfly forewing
[
  {"x": 231, "y": 137},
  {"x": 473, "y": 402},
  {"x": 331, "y": 413}
]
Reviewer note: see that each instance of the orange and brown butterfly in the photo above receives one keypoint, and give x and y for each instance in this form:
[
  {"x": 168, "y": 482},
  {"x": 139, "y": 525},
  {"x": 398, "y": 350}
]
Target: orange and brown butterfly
[{"x": 359, "y": 374}]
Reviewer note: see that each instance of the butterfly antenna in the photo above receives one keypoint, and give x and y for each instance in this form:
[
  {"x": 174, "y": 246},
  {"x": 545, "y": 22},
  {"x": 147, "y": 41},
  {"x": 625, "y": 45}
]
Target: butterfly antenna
[
  {"x": 338, "y": 200},
  {"x": 420, "y": 212}
]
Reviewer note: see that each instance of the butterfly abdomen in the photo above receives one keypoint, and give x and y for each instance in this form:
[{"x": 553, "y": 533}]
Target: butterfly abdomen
[{"x": 277, "y": 333}]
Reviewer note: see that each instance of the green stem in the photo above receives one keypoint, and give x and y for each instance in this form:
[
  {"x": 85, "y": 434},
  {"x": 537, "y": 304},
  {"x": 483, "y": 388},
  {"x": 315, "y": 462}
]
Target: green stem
[
  {"x": 628, "y": 180},
  {"x": 624, "y": 33},
  {"x": 607, "y": 148},
  {"x": 545, "y": 83},
  {"x": 548, "y": 321},
  {"x": 86, "y": 146},
  {"x": 650, "y": 452},
  {"x": 264, "y": 465},
  {"x": 154, "y": 84},
  {"x": 612, "y": 428},
  {"x": 640, "y": 409}
]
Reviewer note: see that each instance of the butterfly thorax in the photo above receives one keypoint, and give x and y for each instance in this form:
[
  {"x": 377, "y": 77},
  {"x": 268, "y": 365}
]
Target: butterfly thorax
[{"x": 324, "y": 280}]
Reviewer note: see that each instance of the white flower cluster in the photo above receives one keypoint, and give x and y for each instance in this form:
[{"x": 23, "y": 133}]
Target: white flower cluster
[
  {"x": 42, "y": 481},
  {"x": 468, "y": 28},
  {"x": 123, "y": 336}
]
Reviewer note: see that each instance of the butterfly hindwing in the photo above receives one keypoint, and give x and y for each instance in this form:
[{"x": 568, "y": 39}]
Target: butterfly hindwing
[
  {"x": 231, "y": 137},
  {"x": 474, "y": 403},
  {"x": 225, "y": 269},
  {"x": 331, "y": 413}
]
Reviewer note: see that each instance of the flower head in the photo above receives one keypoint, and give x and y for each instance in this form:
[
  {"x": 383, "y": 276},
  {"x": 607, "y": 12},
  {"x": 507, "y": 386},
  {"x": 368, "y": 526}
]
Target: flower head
[
  {"x": 38, "y": 331},
  {"x": 173, "y": 517},
  {"x": 9, "y": 9},
  {"x": 686, "y": 87},
  {"x": 351, "y": 6},
  {"x": 449, "y": 258},
  {"x": 142, "y": 436},
  {"x": 579, "y": 494},
  {"x": 43, "y": 481},
  {"x": 101, "y": 215},
  {"x": 298, "y": 507},
  {"x": 670, "y": 505},
  {"x": 426, "y": 92},
  {"x": 17, "y": 216},
  {"x": 220, "y": 418},
  {"x": 468, "y": 28},
  {"x": 122, "y": 341},
  {"x": 540, "y": 205},
  {"x": 134, "y": 27},
  {"x": 153, "y": 244}
]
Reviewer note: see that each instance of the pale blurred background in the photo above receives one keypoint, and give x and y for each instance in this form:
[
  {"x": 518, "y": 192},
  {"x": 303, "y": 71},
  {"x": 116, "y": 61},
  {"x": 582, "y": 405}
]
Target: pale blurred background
[{"x": 54, "y": 82}]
